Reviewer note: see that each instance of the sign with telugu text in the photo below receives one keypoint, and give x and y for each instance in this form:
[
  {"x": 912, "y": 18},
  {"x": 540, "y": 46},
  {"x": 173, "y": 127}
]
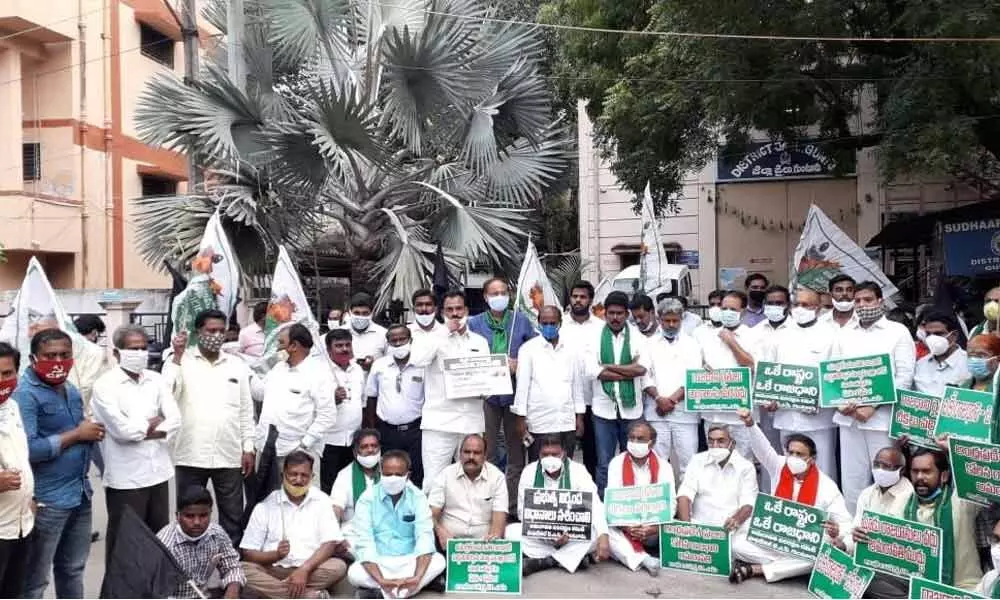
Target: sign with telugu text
[
  {"x": 639, "y": 504},
  {"x": 703, "y": 549},
  {"x": 548, "y": 514},
  {"x": 835, "y": 575},
  {"x": 965, "y": 413},
  {"x": 780, "y": 160},
  {"x": 862, "y": 380},
  {"x": 793, "y": 387},
  {"x": 915, "y": 416},
  {"x": 484, "y": 567},
  {"x": 924, "y": 588},
  {"x": 787, "y": 527},
  {"x": 899, "y": 547},
  {"x": 975, "y": 467},
  {"x": 477, "y": 376},
  {"x": 718, "y": 389}
]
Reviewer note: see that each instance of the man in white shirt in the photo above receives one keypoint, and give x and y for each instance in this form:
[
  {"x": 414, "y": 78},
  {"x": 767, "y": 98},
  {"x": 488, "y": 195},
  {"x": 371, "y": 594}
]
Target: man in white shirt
[
  {"x": 794, "y": 477},
  {"x": 395, "y": 393},
  {"x": 555, "y": 471},
  {"x": 616, "y": 365},
  {"x": 469, "y": 498},
  {"x": 334, "y": 319},
  {"x": 549, "y": 395},
  {"x": 639, "y": 465},
  {"x": 734, "y": 344},
  {"x": 864, "y": 430},
  {"x": 425, "y": 318},
  {"x": 368, "y": 337},
  {"x": 644, "y": 315},
  {"x": 720, "y": 486},
  {"x": 581, "y": 331},
  {"x": 446, "y": 421},
  {"x": 670, "y": 356},
  {"x": 947, "y": 363},
  {"x": 298, "y": 399},
  {"x": 888, "y": 495},
  {"x": 17, "y": 482},
  {"x": 355, "y": 479},
  {"x": 349, "y": 379},
  {"x": 216, "y": 437},
  {"x": 138, "y": 413},
  {"x": 806, "y": 341},
  {"x": 689, "y": 321},
  {"x": 252, "y": 336},
  {"x": 842, "y": 294},
  {"x": 777, "y": 301},
  {"x": 291, "y": 541}
]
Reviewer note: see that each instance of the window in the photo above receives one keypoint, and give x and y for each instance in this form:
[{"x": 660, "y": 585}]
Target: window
[
  {"x": 31, "y": 157},
  {"x": 156, "y": 46},
  {"x": 628, "y": 259},
  {"x": 158, "y": 186}
]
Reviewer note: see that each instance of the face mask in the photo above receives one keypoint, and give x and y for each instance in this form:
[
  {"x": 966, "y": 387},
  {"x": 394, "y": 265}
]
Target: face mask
[
  {"x": 369, "y": 461},
  {"x": 133, "y": 361},
  {"x": 211, "y": 342},
  {"x": 424, "y": 320},
  {"x": 921, "y": 334},
  {"x": 648, "y": 327},
  {"x": 360, "y": 323},
  {"x": 401, "y": 352},
  {"x": 730, "y": 318},
  {"x": 715, "y": 314},
  {"x": 869, "y": 314},
  {"x": 281, "y": 356},
  {"x": 932, "y": 496},
  {"x": 638, "y": 449},
  {"x": 991, "y": 310},
  {"x": 803, "y": 316},
  {"x": 332, "y": 324},
  {"x": 498, "y": 303},
  {"x": 53, "y": 372},
  {"x": 295, "y": 491},
  {"x": 393, "y": 484},
  {"x": 550, "y": 331},
  {"x": 7, "y": 388},
  {"x": 719, "y": 455},
  {"x": 796, "y": 465},
  {"x": 937, "y": 344},
  {"x": 190, "y": 538},
  {"x": 843, "y": 305},
  {"x": 756, "y": 296},
  {"x": 885, "y": 479},
  {"x": 774, "y": 314},
  {"x": 341, "y": 360},
  {"x": 551, "y": 464},
  {"x": 979, "y": 367},
  {"x": 463, "y": 322},
  {"x": 670, "y": 332}
]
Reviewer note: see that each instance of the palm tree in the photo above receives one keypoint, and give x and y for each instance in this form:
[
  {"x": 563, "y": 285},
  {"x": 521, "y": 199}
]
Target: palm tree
[{"x": 377, "y": 127}]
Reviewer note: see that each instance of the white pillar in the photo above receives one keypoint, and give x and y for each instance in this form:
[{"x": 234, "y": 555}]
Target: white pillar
[
  {"x": 118, "y": 313},
  {"x": 11, "y": 135}
]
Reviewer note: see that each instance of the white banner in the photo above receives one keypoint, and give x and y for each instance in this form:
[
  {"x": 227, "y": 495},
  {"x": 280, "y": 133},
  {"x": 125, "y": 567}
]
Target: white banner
[
  {"x": 214, "y": 282},
  {"x": 534, "y": 290},
  {"x": 651, "y": 255},
  {"x": 288, "y": 304}
]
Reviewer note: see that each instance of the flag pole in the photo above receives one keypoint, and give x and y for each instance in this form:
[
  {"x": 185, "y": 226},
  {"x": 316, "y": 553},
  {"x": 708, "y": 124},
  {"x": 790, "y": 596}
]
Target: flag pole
[{"x": 513, "y": 320}]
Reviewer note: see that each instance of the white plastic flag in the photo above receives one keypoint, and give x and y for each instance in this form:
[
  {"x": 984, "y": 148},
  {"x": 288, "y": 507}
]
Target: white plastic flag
[
  {"x": 534, "y": 290},
  {"x": 214, "y": 282},
  {"x": 600, "y": 293},
  {"x": 651, "y": 254},
  {"x": 288, "y": 303}
]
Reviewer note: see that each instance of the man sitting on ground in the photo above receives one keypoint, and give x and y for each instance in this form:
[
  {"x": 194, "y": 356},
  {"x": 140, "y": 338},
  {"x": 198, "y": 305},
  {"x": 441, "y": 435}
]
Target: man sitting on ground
[
  {"x": 469, "y": 498},
  {"x": 355, "y": 479}
]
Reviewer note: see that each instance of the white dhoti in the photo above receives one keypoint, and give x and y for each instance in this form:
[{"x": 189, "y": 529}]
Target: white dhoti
[
  {"x": 776, "y": 565},
  {"x": 396, "y": 567},
  {"x": 569, "y": 556},
  {"x": 438, "y": 449},
  {"x": 623, "y": 552},
  {"x": 682, "y": 438}
]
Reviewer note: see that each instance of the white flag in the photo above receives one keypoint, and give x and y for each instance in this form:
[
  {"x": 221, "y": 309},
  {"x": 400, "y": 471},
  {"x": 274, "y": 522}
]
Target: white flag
[
  {"x": 288, "y": 303},
  {"x": 534, "y": 290},
  {"x": 600, "y": 293},
  {"x": 214, "y": 282},
  {"x": 651, "y": 254},
  {"x": 824, "y": 251}
]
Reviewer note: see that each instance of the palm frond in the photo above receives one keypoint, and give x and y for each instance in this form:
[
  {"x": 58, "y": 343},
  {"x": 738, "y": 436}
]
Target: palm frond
[
  {"x": 301, "y": 28},
  {"x": 525, "y": 169},
  {"x": 564, "y": 274},
  {"x": 479, "y": 232}
]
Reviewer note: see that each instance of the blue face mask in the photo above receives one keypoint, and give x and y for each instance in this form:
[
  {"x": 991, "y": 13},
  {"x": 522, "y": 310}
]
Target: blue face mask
[
  {"x": 670, "y": 334},
  {"x": 550, "y": 332},
  {"x": 932, "y": 496},
  {"x": 979, "y": 367}
]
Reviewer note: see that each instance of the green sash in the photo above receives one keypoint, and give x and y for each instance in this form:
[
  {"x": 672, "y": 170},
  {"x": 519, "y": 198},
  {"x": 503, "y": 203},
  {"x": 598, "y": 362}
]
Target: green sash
[
  {"x": 358, "y": 484},
  {"x": 500, "y": 342},
  {"x": 626, "y": 389},
  {"x": 944, "y": 519}
]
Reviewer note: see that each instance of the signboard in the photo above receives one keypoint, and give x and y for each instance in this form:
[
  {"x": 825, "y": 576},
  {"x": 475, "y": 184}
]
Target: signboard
[
  {"x": 965, "y": 413},
  {"x": 474, "y": 376},
  {"x": 719, "y": 389},
  {"x": 862, "y": 380},
  {"x": 836, "y": 576},
  {"x": 548, "y": 514},
  {"x": 779, "y": 160},
  {"x": 786, "y": 526},
  {"x": 899, "y": 547},
  {"x": 975, "y": 467},
  {"x": 482, "y": 567},
  {"x": 639, "y": 504},
  {"x": 703, "y": 549},
  {"x": 925, "y": 588},
  {"x": 971, "y": 248},
  {"x": 731, "y": 278},
  {"x": 688, "y": 257},
  {"x": 793, "y": 387},
  {"x": 915, "y": 416}
]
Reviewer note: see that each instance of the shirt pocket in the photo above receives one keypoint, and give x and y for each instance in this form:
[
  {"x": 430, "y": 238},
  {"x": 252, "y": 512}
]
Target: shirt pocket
[
  {"x": 53, "y": 417},
  {"x": 415, "y": 389},
  {"x": 232, "y": 391}
]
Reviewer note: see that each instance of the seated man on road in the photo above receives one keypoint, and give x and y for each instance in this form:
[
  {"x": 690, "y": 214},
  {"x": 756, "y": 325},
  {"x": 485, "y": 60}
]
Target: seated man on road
[
  {"x": 395, "y": 534},
  {"x": 290, "y": 542},
  {"x": 554, "y": 471},
  {"x": 201, "y": 547},
  {"x": 469, "y": 498},
  {"x": 796, "y": 477},
  {"x": 355, "y": 479},
  {"x": 639, "y": 465}
]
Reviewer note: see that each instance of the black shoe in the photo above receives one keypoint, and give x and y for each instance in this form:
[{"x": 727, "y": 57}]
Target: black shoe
[
  {"x": 534, "y": 565},
  {"x": 437, "y": 585},
  {"x": 94, "y": 536}
]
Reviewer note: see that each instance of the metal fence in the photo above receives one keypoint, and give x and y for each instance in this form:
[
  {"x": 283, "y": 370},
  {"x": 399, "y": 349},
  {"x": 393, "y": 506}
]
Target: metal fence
[{"x": 155, "y": 324}]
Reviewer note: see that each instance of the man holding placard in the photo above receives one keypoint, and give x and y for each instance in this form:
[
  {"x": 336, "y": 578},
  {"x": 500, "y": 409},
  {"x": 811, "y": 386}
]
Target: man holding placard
[
  {"x": 720, "y": 486},
  {"x": 946, "y": 364},
  {"x": 638, "y": 467}
]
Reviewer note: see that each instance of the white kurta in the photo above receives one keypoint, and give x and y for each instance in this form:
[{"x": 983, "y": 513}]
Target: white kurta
[
  {"x": 621, "y": 547},
  {"x": 719, "y": 356}
]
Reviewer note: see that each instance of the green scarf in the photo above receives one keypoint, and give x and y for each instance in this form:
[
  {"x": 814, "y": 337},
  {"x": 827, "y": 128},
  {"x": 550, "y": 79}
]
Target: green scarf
[
  {"x": 500, "y": 341},
  {"x": 944, "y": 519},
  {"x": 995, "y": 592},
  {"x": 626, "y": 389},
  {"x": 563, "y": 478},
  {"x": 358, "y": 484}
]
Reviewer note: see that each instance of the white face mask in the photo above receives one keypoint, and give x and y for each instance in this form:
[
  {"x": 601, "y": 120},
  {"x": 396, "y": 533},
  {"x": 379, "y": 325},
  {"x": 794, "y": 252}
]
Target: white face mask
[
  {"x": 551, "y": 464},
  {"x": 424, "y": 320},
  {"x": 796, "y": 465},
  {"x": 803, "y": 316},
  {"x": 730, "y": 318},
  {"x": 498, "y": 303},
  {"x": 393, "y": 484},
  {"x": 843, "y": 305},
  {"x": 133, "y": 361},
  {"x": 885, "y": 479},
  {"x": 715, "y": 313},
  {"x": 281, "y": 355},
  {"x": 921, "y": 334},
  {"x": 332, "y": 324},
  {"x": 369, "y": 461},
  {"x": 360, "y": 323},
  {"x": 401, "y": 352},
  {"x": 638, "y": 449},
  {"x": 719, "y": 455},
  {"x": 774, "y": 314},
  {"x": 937, "y": 344}
]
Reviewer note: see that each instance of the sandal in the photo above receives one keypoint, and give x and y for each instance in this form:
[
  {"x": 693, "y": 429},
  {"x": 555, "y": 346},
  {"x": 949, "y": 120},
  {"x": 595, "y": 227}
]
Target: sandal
[{"x": 740, "y": 572}]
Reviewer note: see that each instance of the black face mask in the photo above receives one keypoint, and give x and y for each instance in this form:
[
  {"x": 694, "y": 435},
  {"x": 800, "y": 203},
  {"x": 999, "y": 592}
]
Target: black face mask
[{"x": 757, "y": 296}]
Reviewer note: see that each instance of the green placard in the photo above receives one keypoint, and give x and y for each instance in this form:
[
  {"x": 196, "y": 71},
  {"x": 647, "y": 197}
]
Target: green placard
[
  {"x": 718, "y": 389},
  {"x": 793, "y": 387},
  {"x": 863, "y": 380},
  {"x": 925, "y": 588},
  {"x": 899, "y": 547},
  {"x": 697, "y": 548},
  {"x": 836, "y": 576},
  {"x": 966, "y": 414},
  {"x": 915, "y": 416},
  {"x": 482, "y": 567},
  {"x": 639, "y": 504},
  {"x": 975, "y": 467},
  {"x": 786, "y": 526}
]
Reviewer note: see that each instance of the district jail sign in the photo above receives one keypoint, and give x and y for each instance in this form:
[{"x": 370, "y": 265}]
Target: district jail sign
[{"x": 971, "y": 248}]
